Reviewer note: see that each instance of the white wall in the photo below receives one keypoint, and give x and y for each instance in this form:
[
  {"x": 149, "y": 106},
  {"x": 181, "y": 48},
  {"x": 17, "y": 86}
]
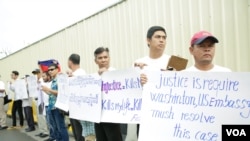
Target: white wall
[{"x": 123, "y": 29}]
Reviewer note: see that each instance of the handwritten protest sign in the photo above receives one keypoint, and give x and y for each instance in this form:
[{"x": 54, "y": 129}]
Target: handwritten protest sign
[
  {"x": 63, "y": 95},
  {"x": 32, "y": 86},
  {"x": 20, "y": 89},
  {"x": 121, "y": 96},
  {"x": 85, "y": 97},
  {"x": 182, "y": 106}
]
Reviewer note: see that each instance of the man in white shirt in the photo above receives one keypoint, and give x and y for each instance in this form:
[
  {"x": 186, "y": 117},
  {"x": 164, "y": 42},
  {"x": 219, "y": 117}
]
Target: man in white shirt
[
  {"x": 203, "y": 50},
  {"x": 41, "y": 120},
  {"x": 105, "y": 131},
  {"x": 156, "y": 60},
  {"x": 17, "y": 104},
  {"x": 47, "y": 82},
  {"x": 28, "y": 111},
  {"x": 202, "y": 47},
  {"x": 74, "y": 65},
  {"x": 2, "y": 111},
  {"x": 156, "y": 41}
]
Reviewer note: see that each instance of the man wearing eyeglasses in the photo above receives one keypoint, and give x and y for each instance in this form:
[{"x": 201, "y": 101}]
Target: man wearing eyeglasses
[{"x": 55, "y": 115}]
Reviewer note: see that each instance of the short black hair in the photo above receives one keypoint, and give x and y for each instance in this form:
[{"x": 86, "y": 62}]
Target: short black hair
[
  {"x": 36, "y": 71},
  {"x": 15, "y": 72},
  {"x": 75, "y": 58},
  {"x": 100, "y": 50},
  {"x": 153, "y": 29}
]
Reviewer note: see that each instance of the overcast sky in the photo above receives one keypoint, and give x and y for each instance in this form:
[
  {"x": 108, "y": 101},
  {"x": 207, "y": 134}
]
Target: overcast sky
[{"x": 23, "y": 22}]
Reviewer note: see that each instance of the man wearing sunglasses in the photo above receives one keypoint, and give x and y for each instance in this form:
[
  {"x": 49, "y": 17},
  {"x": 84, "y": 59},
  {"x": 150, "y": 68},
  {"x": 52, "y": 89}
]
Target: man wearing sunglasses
[{"x": 56, "y": 117}]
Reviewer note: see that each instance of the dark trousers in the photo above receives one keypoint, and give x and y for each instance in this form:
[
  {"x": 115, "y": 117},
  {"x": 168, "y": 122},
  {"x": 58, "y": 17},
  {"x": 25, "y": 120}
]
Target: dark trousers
[
  {"x": 77, "y": 129},
  {"x": 29, "y": 116},
  {"x": 138, "y": 128},
  {"x": 108, "y": 132},
  {"x": 124, "y": 128},
  {"x": 57, "y": 122},
  {"x": 17, "y": 106}
]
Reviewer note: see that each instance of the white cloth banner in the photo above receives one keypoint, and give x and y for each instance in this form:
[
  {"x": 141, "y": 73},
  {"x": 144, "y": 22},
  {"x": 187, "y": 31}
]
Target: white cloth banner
[
  {"x": 181, "y": 106},
  {"x": 121, "y": 96},
  {"x": 85, "y": 97},
  {"x": 62, "y": 101}
]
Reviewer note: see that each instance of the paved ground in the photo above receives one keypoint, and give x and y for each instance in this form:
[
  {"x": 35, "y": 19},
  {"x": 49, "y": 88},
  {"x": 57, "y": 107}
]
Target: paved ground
[
  {"x": 21, "y": 135},
  {"x": 14, "y": 135}
]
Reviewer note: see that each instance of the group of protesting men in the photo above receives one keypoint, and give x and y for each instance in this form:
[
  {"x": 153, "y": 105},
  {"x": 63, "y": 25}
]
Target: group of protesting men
[{"x": 202, "y": 47}]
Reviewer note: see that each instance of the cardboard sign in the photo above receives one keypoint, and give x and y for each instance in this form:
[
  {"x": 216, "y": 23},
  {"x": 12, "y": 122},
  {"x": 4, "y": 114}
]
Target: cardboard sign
[{"x": 177, "y": 63}]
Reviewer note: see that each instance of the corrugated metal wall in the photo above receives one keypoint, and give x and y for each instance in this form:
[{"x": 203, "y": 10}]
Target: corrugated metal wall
[{"x": 123, "y": 28}]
